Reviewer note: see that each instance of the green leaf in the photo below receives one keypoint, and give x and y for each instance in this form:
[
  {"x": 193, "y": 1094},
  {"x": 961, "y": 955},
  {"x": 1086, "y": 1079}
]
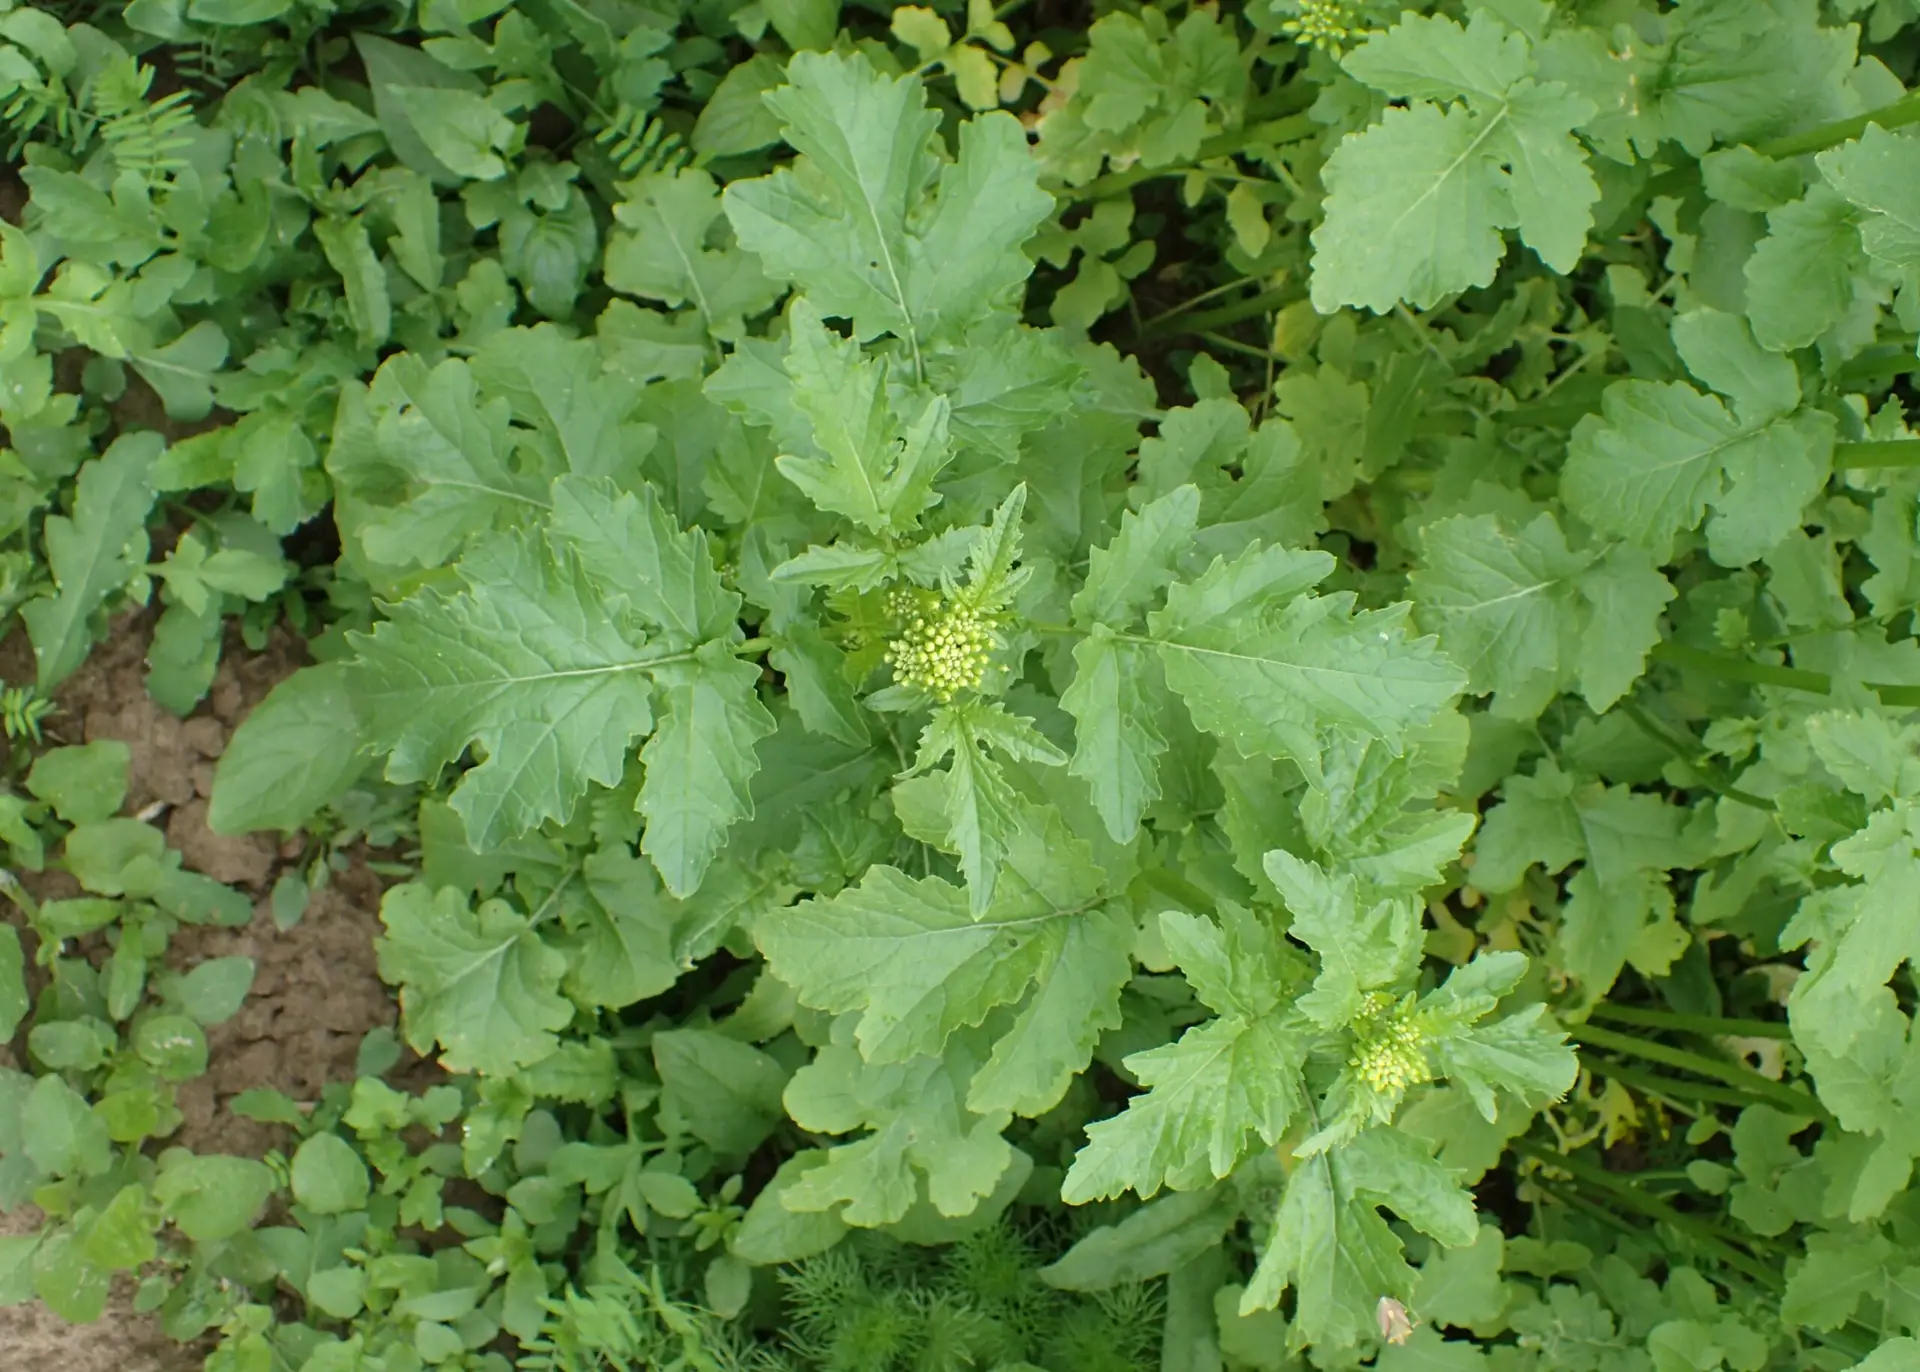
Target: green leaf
[
  {"x": 211, "y": 1196},
  {"x": 120, "y": 1238},
  {"x": 524, "y": 663},
  {"x": 1660, "y": 453},
  {"x": 631, "y": 545},
  {"x": 296, "y": 752},
  {"x": 67, "y": 1284},
  {"x": 425, "y": 464},
  {"x": 1875, "y": 174},
  {"x": 173, "y": 1045},
  {"x": 1264, "y": 665},
  {"x": 1364, "y": 945},
  {"x": 1529, "y": 618},
  {"x": 328, "y": 1176},
  {"x": 1332, "y": 1247},
  {"x": 13, "y": 983},
  {"x": 236, "y": 12},
  {"x": 735, "y": 119},
  {"x": 1117, "y": 739},
  {"x": 1218, "y": 1088},
  {"x": 181, "y": 372},
  {"x": 869, "y": 224},
  {"x": 699, "y": 763},
  {"x": 1800, "y": 276},
  {"x": 772, "y": 1233},
  {"x": 1862, "y": 932},
  {"x": 193, "y": 576},
  {"x": 1415, "y": 204},
  {"x": 213, "y": 992},
  {"x": 579, "y": 414},
  {"x": 349, "y": 251},
  {"x": 870, "y": 466},
  {"x": 61, "y": 1134},
  {"x": 94, "y": 554},
  {"x": 117, "y": 857},
  {"x": 623, "y": 930},
  {"x": 667, "y": 248},
  {"x": 982, "y": 813},
  {"x": 727, "y": 1092},
  {"x": 184, "y": 656},
  {"x": 464, "y": 132},
  {"x": 917, "y": 966},
  {"x": 82, "y": 783},
  {"x": 922, "y": 1140},
  {"x": 1160, "y": 1237},
  {"x": 1125, "y": 577},
  {"x": 478, "y": 981}
]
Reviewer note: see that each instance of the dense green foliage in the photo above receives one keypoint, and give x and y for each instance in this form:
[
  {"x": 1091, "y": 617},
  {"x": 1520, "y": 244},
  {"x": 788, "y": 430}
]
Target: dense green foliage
[{"x": 1196, "y": 686}]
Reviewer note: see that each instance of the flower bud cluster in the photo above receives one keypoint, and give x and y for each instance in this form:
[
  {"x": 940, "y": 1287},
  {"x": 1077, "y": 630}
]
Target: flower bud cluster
[
  {"x": 1327, "y": 24},
  {"x": 1389, "y": 1053},
  {"x": 941, "y": 648}
]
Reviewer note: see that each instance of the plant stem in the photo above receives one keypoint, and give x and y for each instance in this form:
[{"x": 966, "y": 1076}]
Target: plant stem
[
  {"x": 1708, "y": 773},
  {"x": 1790, "y": 1099},
  {"x": 1739, "y": 669},
  {"x": 1710, "y": 1025},
  {"x": 1292, "y": 129},
  {"x": 1234, "y": 345},
  {"x": 1891, "y": 694},
  {"x": 1653, "y": 1084},
  {"x": 1634, "y": 1198},
  {"x": 1208, "y": 320},
  {"x": 1891, "y": 452},
  {"x": 1905, "y": 110}
]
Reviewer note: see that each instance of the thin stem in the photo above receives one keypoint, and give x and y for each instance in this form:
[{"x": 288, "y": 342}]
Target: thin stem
[
  {"x": 1905, "y": 110},
  {"x": 1890, "y": 452},
  {"x": 1787, "y": 1098},
  {"x": 1199, "y": 300},
  {"x": 1571, "y": 1198},
  {"x": 1712, "y": 1026},
  {"x": 1891, "y": 694},
  {"x": 1177, "y": 887},
  {"x": 1739, "y": 669},
  {"x": 1294, "y": 128},
  {"x": 1234, "y": 345},
  {"x": 1652, "y": 1207},
  {"x": 1653, "y": 1084},
  {"x": 1208, "y": 320},
  {"x": 1697, "y": 761}
]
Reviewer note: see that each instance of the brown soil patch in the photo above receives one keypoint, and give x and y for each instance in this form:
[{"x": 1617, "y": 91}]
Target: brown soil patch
[{"x": 315, "y": 993}]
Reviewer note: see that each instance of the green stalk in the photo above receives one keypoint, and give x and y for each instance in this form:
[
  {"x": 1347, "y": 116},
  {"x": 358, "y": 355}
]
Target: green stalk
[
  {"x": 1206, "y": 321},
  {"x": 1891, "y": 694},
  {"x": 1793, "y": 1101},
  {"x": 1653, "y": 1208},
  {"x": 1234, "y": 345},
  {"x": 1707, "y": 772},
  {"x": 1864, "y": 371},
  {"x": 1572, "y": 1199},
  {"x": 1739, "y": 669},
  {"x": 1653, "y": 1084},
  {"x": 1294, "y": 128},
  {"x": 1891, "y": 452},
  {"x": 1711, "y": 1025},
  {"x": 1905, "y": 110}
]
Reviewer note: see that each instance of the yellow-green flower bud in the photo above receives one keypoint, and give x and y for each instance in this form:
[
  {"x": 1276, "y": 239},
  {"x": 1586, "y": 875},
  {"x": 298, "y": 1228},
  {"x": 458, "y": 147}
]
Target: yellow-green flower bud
[
  {"x": 943, "y": 649},
  {"x": 1389, "y": 1052},
  {"x": 1326, "y": 24}
]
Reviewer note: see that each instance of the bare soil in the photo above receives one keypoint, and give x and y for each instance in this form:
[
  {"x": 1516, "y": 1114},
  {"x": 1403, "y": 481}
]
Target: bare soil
[{"x": 315, "y": 991}]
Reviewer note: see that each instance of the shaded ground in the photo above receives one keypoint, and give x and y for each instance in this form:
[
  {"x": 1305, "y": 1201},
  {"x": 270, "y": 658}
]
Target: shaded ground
[{"x": 315, "y": 989}]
